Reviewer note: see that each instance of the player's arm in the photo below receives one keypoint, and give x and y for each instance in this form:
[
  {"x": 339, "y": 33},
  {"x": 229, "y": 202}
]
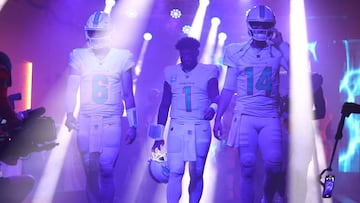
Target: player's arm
[
  {"x": 157, "y": 131},
  {"x": 72, "y": 87},
  {"x": 224, "y": 100},
  {"x": 283, "y": 47},
  {"x": 213, "y": 93},
  {"x": 165, "y": 104},
  {"x": 129, "y": 100},
  {"x": 127, "y": 85}
]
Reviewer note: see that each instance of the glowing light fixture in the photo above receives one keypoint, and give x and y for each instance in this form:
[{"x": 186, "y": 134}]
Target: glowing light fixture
[
  {"x": 175, "y": 13},
  {"x": 215, "y": 21},
  {"x": 186, "y": 29},
  {"x": 222, "y": 36},
  {"x": 147, "y": 36}
]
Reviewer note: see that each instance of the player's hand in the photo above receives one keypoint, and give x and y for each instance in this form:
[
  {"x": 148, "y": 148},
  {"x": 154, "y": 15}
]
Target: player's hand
[
  {"x": 130, "y": 135},
  {"x": 209, "y": 113},
  {"x": 71, "y": 122},
  {"x": 277, "y": 38},
  {"x": 218, "y": 129},
  {"x": 157, "y": 145}
]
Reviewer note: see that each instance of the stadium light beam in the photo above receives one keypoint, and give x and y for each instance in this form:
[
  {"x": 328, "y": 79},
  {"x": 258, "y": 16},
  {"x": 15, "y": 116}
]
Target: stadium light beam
[
  {"x": 198, "y": 21},
  {"x": 50, "y": 177},
  {"x": 207, "y": 56},
  {"x": 301, "y": 105}
]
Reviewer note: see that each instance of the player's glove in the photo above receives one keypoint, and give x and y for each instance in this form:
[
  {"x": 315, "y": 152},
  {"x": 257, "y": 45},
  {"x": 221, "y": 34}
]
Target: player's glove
[{"x": 277, "y": 38}]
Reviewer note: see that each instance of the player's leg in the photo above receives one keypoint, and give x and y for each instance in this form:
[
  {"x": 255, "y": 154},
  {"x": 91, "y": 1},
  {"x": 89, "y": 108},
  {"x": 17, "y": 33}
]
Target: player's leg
[
  {"x": 248, "y": 140},
  {"x": 271, "y": 145},
  {"x": 176, "y": 163},
  {"x": 282, "y": 185},
  {"x": 110, "y": 149},
  {"x": 196, "y": 168},
  {"x": 90, "y": 160}
]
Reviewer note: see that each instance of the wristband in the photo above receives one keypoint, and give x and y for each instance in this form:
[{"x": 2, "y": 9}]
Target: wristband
[
  {"x": 156, "y": 131},
  {"x": 132, "y": 117},
  {"x": 214, "y": 106}
]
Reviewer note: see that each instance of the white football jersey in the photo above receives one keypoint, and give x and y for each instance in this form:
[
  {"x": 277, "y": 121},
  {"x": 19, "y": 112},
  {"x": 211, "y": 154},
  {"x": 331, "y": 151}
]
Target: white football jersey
[
  {"x": 189, "y": 90},
  {"x": 254, "y": 75},
  {"x": 100, "y": 79}
]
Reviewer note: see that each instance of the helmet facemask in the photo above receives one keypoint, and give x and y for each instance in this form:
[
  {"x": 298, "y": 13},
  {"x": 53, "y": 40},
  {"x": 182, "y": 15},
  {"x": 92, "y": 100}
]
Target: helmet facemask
[
  {"x": 261, "y": 31},
  {"x": 261, "y": 23},
  {"x": 158, "y": 168}
]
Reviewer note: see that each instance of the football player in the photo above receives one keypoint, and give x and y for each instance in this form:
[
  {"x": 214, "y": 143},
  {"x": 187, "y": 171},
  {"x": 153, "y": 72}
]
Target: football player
[
  {"x": 191, "y": 89},
  {"x": 253, "y": 73},
  {"x": 104, "y": 75}
]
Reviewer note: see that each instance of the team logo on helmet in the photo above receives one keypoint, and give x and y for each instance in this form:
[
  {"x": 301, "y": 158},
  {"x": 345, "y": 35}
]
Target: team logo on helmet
[
  {"x": 261, "y": 22},
  {"x": 158, "y": 168}
]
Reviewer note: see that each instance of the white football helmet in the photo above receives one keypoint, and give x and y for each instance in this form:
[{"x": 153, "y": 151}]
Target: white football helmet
[
  {"x": 158, "y": 168},
  {"x": 261, "y": 22},
  {"x": 98, "y": 30}
]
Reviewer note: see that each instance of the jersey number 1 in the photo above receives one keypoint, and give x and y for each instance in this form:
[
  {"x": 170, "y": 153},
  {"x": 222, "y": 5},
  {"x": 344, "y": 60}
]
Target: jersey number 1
[{"x": 187, "y": 92}]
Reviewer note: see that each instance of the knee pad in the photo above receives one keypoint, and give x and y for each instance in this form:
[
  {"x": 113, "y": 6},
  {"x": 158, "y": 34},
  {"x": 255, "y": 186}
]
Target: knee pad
[
  {"x": 248, "y": 163},
  {"x": 275, "y": 164},
  {"x": 273, "y": 167}
]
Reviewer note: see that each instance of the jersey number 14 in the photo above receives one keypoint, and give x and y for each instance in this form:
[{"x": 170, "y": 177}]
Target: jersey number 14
[{"x": 263, "y": 82}]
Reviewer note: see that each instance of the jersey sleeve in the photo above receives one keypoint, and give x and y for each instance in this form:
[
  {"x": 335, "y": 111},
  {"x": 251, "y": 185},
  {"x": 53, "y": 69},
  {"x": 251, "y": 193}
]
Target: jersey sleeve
[
  {"x": 214, "y": 72},
  {"x": 233, "y": 52},
  {"x": 229, "y": 55},
  {"x": 129, "y": 60},
  {"x": 74, "y": 62},
  {"x": 230, "y": 78},
  {"x": 285, "y": 51},
  {"x": 168, "y": 72}
]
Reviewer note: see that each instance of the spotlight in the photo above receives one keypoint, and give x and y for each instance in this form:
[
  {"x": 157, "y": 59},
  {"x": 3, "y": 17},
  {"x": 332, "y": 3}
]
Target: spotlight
[
  {"x": 175, "y": 13},
  {"x": 204, "y": 2},
  {"x": 222, "y": 36},
  {"x": 147, "y": 36},
  {"x": 215, "y": 21},
  {"x": 186, "y": 29}
]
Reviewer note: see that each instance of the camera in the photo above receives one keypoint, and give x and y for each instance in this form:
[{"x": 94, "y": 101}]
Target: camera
[
  {"x": 36, "y": 133},
  {"x": 328, "y": 186}
]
